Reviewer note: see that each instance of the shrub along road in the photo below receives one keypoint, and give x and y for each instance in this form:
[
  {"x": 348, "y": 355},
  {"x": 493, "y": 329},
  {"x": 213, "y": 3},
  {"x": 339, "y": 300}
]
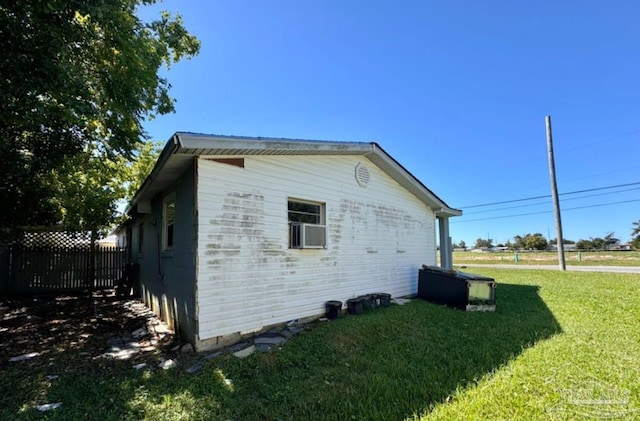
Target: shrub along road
[{"x": 616, "y": 269}]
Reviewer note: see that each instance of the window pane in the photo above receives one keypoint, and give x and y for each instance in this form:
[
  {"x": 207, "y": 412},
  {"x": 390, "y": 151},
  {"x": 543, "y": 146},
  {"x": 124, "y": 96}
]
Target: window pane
[
  {"x": 304, "y": 212},
  {"x": 169, "y": 220}
]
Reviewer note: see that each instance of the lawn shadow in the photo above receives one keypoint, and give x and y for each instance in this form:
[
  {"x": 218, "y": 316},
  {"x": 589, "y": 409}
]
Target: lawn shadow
[
  {"x": 390, "y": 363},
  {"x": 401, "y": 361}
]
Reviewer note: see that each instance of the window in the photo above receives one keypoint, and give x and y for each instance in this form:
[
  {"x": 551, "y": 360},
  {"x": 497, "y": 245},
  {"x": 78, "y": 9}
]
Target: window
[
  {"x": 140, "y": 238},
  {"x": 307, "y": 212},
  {"x": 306, "y": 229},
  {"x": 168, "y": 218}
]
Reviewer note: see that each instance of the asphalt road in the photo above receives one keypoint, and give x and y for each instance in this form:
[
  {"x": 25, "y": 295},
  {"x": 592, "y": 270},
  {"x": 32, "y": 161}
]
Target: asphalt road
[{"x": 614, "y": 269}]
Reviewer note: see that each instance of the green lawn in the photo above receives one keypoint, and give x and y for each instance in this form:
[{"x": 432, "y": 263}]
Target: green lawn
[
  {"x": 572, "y": 258},
  {"x": 555, "y": 336}
]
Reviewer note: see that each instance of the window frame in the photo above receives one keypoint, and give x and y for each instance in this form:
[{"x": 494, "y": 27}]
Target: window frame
[
  {"x": 168, "y": 238},
  {"x": 320, "y": 220}
]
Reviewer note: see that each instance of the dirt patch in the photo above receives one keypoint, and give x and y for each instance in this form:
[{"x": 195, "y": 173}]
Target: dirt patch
[{"x": 65, "y": 331}]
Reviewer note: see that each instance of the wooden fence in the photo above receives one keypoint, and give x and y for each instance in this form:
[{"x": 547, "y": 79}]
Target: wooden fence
[{"x": 39, "y": 269}]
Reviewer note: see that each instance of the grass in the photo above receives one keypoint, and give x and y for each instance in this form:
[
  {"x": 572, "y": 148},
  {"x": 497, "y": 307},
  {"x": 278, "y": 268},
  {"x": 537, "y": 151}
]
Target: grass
[
  {"x": 573, "y": 258},
  {"x": 553, "y": 334}
]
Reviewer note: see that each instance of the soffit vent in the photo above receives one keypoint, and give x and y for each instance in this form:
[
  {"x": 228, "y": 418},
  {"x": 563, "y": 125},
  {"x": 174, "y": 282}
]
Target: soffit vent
[{"x": 362, "y": 175}]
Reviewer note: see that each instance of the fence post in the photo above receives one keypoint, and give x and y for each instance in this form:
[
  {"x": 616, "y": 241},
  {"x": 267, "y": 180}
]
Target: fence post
[{"x": 5, "y": 253}]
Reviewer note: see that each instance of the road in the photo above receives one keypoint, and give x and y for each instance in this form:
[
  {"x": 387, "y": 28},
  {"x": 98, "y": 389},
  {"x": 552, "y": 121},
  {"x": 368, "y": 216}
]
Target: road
[{"x": 614, "y": 269}]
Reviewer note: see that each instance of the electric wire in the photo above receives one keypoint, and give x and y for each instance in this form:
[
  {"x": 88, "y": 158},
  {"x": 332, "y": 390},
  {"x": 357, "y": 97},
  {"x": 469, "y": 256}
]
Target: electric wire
[
  {"x": 458, "y": 221},
  {"x": 548, "y": 195},
  {"x": 547, "y": 203}
]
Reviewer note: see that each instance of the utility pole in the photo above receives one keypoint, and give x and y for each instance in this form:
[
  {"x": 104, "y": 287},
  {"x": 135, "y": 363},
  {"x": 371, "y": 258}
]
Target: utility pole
[{"x": 554, "y": 195}]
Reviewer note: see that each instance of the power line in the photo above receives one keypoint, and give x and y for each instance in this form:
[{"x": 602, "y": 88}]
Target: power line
[
  {"x": 586, "y": 145},
  {"x": 541, "y": 212},
  {"x": 548, "y": 195},
  {"x": 546, "y": 203}
]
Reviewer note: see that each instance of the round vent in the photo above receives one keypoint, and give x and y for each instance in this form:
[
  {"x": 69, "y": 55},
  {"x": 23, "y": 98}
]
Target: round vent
[{"x": 362, "y": 175}]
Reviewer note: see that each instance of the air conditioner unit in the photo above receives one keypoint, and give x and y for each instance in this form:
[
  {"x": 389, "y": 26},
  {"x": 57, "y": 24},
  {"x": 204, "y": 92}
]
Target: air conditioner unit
[{"x": 307, "y": 236}]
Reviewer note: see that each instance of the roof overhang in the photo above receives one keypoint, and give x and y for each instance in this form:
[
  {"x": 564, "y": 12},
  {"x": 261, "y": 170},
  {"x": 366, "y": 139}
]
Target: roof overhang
[{"x": 183, "y": 148}]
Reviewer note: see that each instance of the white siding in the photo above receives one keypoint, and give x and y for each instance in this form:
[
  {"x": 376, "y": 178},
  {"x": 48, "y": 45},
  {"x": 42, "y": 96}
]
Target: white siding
[{"x": 378, "y": 237}]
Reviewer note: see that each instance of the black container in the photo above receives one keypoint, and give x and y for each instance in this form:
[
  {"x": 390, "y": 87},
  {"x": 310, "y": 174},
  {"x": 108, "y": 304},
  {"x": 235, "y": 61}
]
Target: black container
[
  {"x": 384, "y": 299},
  {"x": 354, "y": 305},
  {"x": 334, "y": 308},
  {"x": 368, "y": 302},
  {"x": 465, "y": 291}
]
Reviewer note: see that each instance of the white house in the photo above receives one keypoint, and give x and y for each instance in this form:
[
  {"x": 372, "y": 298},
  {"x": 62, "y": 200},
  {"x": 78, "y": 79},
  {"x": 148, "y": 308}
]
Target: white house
[{"x": 236, "y": 234}]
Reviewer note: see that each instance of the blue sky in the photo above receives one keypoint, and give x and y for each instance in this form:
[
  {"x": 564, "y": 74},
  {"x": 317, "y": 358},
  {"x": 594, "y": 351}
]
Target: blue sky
[{"x": 456, "y": 91}]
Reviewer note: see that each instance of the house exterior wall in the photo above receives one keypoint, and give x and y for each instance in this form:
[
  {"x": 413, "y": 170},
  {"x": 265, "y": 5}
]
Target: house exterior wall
[
  {"x": 378, "y": 236},
  {"x": 167, "y": 277}
]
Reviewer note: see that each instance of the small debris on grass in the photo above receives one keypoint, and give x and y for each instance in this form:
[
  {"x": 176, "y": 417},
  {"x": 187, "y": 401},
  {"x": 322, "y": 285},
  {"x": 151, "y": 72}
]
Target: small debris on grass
[
  {"x": 323, "y": 319},
  {"x": 186, "y": 348},
  {"x": 140, "y": 366},
  {"x": 24, "y": 357},
  {"x": 167, "y": 364},
  {"x": 245, "y": 352},
  {"x": 53, "y": 377},
  {"x": 48, "y": 406}
]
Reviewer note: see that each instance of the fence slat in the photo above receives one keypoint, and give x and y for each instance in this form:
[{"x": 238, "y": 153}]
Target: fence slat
[{"x": 61, "y": 269}]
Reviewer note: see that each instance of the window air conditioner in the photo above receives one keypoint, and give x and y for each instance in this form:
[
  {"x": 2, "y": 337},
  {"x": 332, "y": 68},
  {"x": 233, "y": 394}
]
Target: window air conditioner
[{"x": 307, "y": 236}]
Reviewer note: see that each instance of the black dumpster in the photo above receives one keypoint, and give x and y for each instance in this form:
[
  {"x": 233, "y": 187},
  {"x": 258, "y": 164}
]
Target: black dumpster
[
  {"x": 465, "y": 291},
  {"x": 334, "y": 308}
]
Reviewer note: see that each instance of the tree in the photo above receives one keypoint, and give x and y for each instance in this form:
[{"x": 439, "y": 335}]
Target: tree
[
  {"x": 78, "y": 79},
  {"x": 598, "y": 243},
  {"x": 610, "y": 240},
  {"x": 635, "y": 235},
  {"x": 564, "y": 241},
  {"x": 484, "y": 243},
  {"x": 462, "y": 245},
  {"x": 530, "y": 242},
  {"x": 535, "y": 242}
]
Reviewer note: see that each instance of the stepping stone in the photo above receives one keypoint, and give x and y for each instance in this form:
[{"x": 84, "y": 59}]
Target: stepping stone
[
  {"x": 212, "y": 355},
  {"x": 239, "y": 346},
  {"x": 264, "y": 347},
  {"x": 292, "y": 330},
  {"x": 196, "y": 367},
  {"x": 245, "y": 352},
  {"x": 269, "y": 340},
  {"x": 401, "y": 301}
]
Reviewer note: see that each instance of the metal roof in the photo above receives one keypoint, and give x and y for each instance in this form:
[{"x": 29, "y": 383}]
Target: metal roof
[{"x": 180, "y": 150}]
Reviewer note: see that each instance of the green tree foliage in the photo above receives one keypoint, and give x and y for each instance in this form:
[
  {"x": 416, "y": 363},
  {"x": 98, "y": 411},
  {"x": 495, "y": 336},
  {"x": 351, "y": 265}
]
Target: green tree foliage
[
  {"x": 564, "y": 241},
  {"x": 78, "y": 79},
  {"x": 610, "y": 240},
  {"x": 530, "y": 242},
  {"x": 635, "y": 235},
  {"x": 484, "y": 243}
]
